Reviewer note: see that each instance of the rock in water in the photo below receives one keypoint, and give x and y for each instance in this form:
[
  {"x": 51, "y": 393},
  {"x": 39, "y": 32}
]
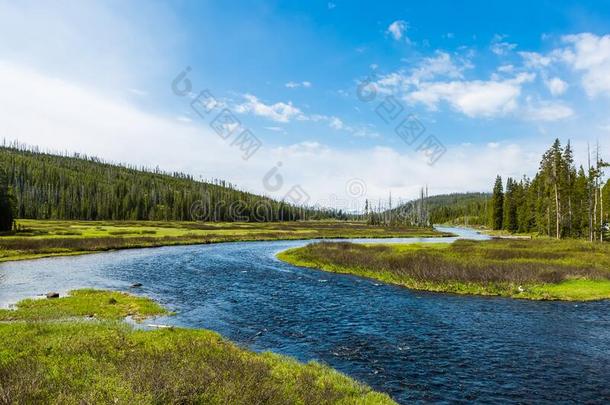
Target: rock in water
[
  {"x": 52, "y": 295},
  {"x": 136, "y": 285}
]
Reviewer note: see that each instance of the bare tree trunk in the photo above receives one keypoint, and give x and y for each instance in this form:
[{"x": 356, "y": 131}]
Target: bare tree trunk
[
  {"x": 591, "y": 236},
  {"x": 557, "y": 215},
  {"x": 570, "y": 215},
  {"x": 548, "y": 221},
  {"x": 595, "y": 212},
  {"x": 601, "y": 214}
]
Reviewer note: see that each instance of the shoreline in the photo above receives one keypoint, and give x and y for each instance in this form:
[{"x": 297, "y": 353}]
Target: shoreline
[
  {"x": 150, "y": 366},
  {"x": 309, "y": 231},
  {"x": 531, "y": 292}
]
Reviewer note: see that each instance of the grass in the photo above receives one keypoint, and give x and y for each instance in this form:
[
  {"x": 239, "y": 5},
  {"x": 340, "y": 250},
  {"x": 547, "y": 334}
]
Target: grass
[
  {"x": 531, "y": 269},
  {"x": 49, "y": 355},
  {"x": 37, "y": 239},
  {"x": 84, "y": 303}
]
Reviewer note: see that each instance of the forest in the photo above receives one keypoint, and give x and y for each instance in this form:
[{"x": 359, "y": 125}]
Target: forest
[
  {"x": 560, "y": 201},
  {"x": 50, "y": 186}
]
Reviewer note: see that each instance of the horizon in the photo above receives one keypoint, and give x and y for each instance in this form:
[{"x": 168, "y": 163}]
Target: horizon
[{"x": 306, "y": 88}]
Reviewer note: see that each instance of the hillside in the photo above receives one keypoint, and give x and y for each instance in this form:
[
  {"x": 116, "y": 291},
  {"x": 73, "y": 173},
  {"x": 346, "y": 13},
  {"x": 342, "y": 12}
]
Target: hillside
[
  {"x": 458, "y": 208},
  {"x": 48, "y": 186}
]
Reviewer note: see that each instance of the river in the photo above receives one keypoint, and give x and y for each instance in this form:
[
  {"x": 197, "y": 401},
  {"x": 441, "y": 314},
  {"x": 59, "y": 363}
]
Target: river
[{"x": 413, "y": 345}]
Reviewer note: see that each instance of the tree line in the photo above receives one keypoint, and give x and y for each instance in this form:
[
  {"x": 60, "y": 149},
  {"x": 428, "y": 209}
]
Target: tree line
[
  {"x": 41, "y": 185},
  {"x": 458, "y": 208},
  {"x": 561, "y": 200}
]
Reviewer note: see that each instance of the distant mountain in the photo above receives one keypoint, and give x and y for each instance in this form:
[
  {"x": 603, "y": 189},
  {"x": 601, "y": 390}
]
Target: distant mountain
[{"x": 50, "y": 186}]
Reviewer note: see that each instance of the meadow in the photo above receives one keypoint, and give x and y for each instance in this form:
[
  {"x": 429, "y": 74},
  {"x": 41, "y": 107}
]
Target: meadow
[
  {"x": 78, "y": 350},
  {"x": 531, "y": 269},
  {"x": 37, "y": 238}
]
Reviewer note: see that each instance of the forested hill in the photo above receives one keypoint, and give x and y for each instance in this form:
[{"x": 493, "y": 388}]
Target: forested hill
[
  {"x": 48, "y": 186},
  {"x": 458, "y": 208}
]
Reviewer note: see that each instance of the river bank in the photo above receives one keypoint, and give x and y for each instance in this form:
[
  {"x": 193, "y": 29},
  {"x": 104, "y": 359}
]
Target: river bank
[
  {"x": 37, "y": 239},
  {"x": 529, "y": 269},
  {"x": 77, "y": 349}
]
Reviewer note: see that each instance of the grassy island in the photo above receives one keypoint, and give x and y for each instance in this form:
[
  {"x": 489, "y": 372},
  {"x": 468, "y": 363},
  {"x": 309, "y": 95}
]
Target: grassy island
[
  {"x": 532, "y": 269},
  {"x": 77, "y": 350}
]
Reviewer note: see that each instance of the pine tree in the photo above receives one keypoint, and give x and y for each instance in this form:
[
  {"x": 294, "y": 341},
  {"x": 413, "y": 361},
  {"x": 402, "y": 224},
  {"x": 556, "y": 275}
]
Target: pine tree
[
  {"x": 511, "y": 200},
  {"x": 7, "y": 204},
  {"x": 497, "y": 201}
]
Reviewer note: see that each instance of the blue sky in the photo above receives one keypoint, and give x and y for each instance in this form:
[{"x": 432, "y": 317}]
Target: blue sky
[{"x": 494, "y": 82}]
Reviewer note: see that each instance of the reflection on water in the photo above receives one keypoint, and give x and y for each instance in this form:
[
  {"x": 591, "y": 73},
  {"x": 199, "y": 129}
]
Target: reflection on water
[{"x": 416, "y": 346}]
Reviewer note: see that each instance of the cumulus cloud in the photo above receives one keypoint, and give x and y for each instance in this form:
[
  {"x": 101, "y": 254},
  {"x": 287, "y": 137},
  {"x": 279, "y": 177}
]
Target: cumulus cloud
[
  {"x": 440, "y": 78},
  {"x": 398, "y": 29},
  {"x": 586, "y": 54},
  {"x": 556, "y": 86},
  {"x": 473, "y": 98},
  {"x": 278, "y": 112},
  {"x": 590, "y": 54}
]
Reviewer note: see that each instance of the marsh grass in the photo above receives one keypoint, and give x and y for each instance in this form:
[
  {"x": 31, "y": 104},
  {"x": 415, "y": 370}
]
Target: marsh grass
[
  {"x": 536, "y": 269},
  {"x": 84, "y": 303},
  {"x": 46, "y": 356},
  {"x": 51, "y": 238}
]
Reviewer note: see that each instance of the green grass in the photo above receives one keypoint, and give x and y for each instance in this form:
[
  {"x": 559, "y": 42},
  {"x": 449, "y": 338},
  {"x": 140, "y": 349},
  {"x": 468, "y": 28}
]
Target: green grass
[
  {"x": 37, "y": 239},
  {"x": 48, "y": 355},
  {"x": 84, "y": 303},
  {"x": 529, "y": 269}
]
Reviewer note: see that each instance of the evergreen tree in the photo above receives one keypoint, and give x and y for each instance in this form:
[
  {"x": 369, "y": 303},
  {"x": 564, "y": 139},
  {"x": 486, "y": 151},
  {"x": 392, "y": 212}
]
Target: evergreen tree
[
  {"x": 497, "y": 203},
  {"x": 511, "y": 201},
  {"x": 48, "y": 186},
  {"x": 7, "y": 204},
  {"x": 560, "y": 201}
]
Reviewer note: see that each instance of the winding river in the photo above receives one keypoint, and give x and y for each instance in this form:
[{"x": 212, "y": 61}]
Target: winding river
[{"x": 416, "y": 346}]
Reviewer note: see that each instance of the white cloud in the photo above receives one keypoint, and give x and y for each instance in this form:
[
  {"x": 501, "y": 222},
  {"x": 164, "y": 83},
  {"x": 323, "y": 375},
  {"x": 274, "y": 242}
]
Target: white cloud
[
  {"x": 398, "y": 29},
  {"x": 336, "y": 123},
  {"x": 590, "y": 54},
  {"x": 473, "y": 98},
  {"x": 501, "y": 47},
  {"x": 61, "y": 115},
  {"x": 547, "y": 111},
  {"x": 556, "y": 86},
  {"x": 439, "y": 65},
  {"x": 535, "y": 60},
  {"x": 506, "y": 69},
  {"x": 402, "y": 173},
  {"x": 279, "y": 112},
  {"x": 104, "y": 45},
  {"x": 294, "y": 85},
  {"x": 585, "y": 53}
]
